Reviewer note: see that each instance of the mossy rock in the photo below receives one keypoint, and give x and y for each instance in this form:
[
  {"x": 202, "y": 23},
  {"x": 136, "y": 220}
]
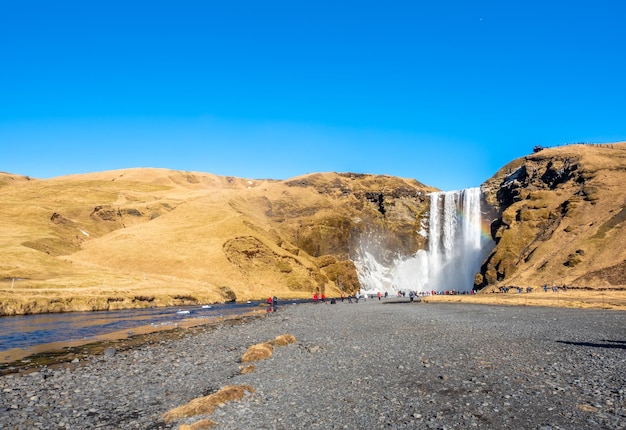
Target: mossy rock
[
  {"x": 228, "y": 294},
  {"x": 573, "y": 260},
  {"x": 326, "y": 260}
]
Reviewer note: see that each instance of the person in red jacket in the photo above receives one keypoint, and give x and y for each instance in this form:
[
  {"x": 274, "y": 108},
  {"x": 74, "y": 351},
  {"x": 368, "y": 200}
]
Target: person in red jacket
[{"x": 315, "y": 297}]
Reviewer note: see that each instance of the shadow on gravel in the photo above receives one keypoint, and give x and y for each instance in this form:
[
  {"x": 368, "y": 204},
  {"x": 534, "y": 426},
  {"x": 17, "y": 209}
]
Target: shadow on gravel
[{"x": 614, "y": 344}]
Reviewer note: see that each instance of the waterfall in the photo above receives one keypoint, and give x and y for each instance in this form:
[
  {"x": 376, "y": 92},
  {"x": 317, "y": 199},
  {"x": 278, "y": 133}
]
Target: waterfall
[{"x": 456, "y": 249}]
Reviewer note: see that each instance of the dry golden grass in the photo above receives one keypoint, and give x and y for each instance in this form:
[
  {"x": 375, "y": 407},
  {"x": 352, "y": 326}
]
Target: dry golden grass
[
  {"x": 198, "y": 425},
  {"x": 264, "y": 350},
  {"x": 247, "y": 369},
  {"x": 284, "y": 340},
  {"x": 257, "y": 352},
  {"x": 580, "y": 299},
  {"x": 206, "y": 405}
]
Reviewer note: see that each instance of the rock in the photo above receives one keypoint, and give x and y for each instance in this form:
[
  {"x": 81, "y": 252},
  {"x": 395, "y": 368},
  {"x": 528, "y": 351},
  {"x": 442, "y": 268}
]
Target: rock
[{"x": 109, "y": 352}]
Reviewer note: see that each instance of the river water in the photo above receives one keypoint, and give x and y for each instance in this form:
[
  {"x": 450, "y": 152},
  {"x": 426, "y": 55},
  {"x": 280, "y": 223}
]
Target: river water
[{"x": 27, "y": 331}]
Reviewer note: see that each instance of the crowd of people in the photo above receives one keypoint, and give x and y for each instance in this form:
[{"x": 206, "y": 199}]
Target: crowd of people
[
  {"x": 411, "y": 294},
  {"x": 545, "y": 288}
]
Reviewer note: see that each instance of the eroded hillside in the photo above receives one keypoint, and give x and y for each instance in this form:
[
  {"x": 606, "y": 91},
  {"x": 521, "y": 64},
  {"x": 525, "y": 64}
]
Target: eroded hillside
[{"x": 563, "y": 219}]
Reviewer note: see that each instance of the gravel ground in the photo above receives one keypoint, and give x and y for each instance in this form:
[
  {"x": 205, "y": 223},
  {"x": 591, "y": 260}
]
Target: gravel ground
[{"x": 355, "y": 366}]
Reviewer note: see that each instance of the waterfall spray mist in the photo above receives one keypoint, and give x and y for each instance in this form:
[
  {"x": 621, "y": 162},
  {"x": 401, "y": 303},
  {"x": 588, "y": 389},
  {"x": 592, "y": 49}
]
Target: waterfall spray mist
[{"x": 456, "y": 249}]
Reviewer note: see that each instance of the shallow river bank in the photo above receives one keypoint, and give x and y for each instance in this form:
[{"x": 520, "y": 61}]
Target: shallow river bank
[
  {"x": 366, "y": 365},
  {"x": 24, "y": 335}
]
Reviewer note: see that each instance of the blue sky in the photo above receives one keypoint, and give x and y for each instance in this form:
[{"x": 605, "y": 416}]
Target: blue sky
[{"x": 445, "y": 92}]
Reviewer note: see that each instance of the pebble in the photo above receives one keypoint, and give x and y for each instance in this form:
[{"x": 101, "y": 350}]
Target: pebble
[{"x": 366, "y": 365}]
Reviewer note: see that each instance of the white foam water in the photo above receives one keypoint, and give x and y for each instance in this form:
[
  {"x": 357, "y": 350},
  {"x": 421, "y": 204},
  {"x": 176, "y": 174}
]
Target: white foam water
[{"x": 456, "y": 249}]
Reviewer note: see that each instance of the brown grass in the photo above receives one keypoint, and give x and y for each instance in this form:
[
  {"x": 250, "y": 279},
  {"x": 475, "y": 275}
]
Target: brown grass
[
  {"x": 198, "y": 425},
  {"x": 206, "y": 405},
  {"x": 247, "y": 369},
  {"x": 284, "y": 340},
  {"x": 264, "y": 350},
  {"x": 257, "y": 352},
  {"x": 580, "y": 299}
]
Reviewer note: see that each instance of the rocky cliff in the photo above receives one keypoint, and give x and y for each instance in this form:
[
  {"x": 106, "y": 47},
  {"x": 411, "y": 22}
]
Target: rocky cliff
[{"x": 561, "y": 219}]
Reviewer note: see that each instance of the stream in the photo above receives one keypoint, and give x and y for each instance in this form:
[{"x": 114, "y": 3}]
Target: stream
[{"x": 27, "y": 331}]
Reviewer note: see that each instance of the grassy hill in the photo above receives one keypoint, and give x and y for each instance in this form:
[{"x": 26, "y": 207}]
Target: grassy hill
[
  {"x": 149, "y": 237},
  {"x": 562, "y": 219}
]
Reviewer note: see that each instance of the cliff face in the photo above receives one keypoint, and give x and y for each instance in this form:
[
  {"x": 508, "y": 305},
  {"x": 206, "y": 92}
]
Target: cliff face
[
  {"x": 144, "y": 237},
  {"x": 561, "y": 219},
  {"x": 356, "y": 206}
]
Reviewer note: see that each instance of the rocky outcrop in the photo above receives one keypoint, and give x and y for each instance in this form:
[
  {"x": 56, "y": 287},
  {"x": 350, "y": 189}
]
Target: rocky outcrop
[
  {"x": 560, "y": 218},
  {"x": 326, "y": 216},
  {"x": 353, "y": 206}
]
